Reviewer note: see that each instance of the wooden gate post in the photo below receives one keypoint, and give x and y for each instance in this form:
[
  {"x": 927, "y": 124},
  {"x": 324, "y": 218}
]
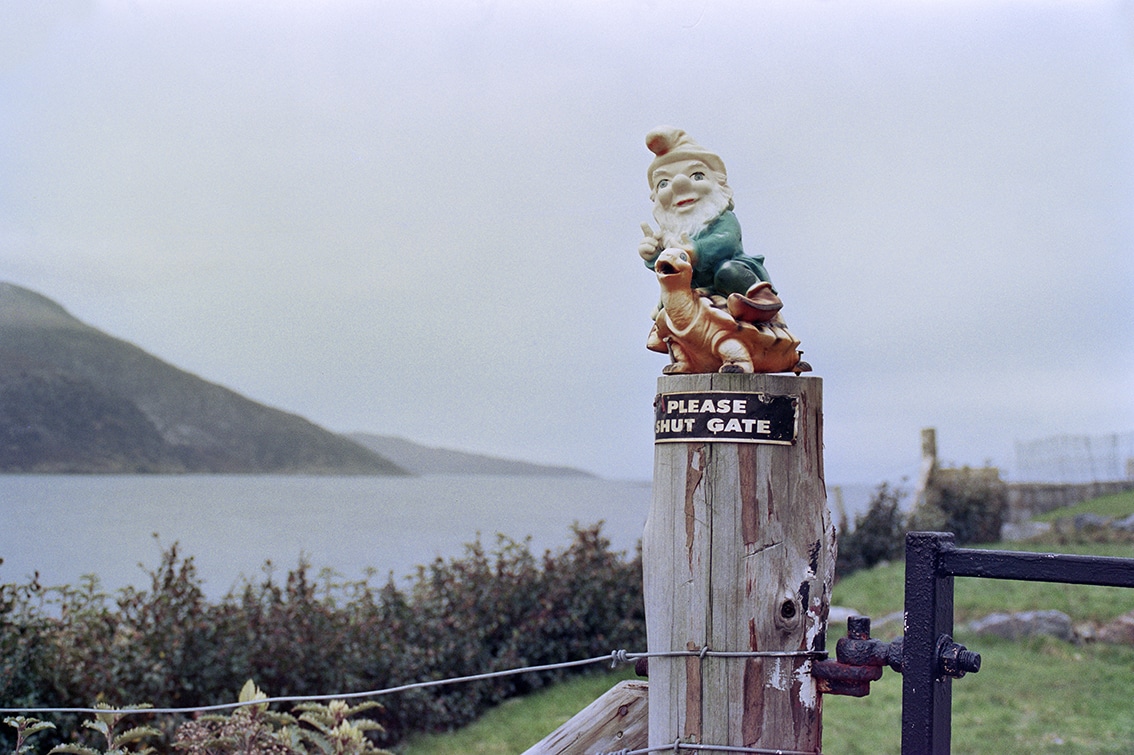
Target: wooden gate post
[{"x": 738, "y": 557}]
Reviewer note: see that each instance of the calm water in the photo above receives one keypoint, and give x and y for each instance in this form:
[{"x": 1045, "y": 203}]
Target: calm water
[{"x": 66, "y": 526}]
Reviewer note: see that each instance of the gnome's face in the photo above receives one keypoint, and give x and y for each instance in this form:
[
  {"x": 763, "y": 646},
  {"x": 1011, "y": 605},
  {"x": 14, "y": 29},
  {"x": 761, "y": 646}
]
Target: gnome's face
[
  {"x": 688, "y": 194},
  {"x": 679, "y": 186}
]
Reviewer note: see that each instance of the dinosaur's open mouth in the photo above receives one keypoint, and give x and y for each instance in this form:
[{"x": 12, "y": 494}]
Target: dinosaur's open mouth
[{"x": 665, "y": 267}]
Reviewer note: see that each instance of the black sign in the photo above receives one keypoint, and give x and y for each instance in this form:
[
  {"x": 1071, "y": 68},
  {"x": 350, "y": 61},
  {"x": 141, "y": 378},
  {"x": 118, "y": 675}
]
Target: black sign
[{"x": 722, "y": 417}]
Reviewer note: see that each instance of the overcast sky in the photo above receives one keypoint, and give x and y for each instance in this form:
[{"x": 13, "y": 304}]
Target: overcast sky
[{"x": 421, "y": 218}]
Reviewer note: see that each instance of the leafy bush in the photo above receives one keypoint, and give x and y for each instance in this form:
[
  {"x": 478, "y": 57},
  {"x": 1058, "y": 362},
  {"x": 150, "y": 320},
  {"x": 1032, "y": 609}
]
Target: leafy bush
[
  {"x": 20, "y": 642},
  {"x": 118, "y": 739},
  {"x": 26, "y": 728},
  {"x": 252, "y": 729},
  {"x": 968, "y": 502},
  {"x": 255, "y": 730},
  {"x": 878, "y": 535},
  {"x": 315, "y": 635}
]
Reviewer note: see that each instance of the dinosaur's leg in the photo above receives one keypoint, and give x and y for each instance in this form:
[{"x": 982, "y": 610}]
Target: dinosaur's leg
[
  {"x": 654, "y": 342},
  {"x": 734, "y": 355},
  {"x": 681, "y": 363}
]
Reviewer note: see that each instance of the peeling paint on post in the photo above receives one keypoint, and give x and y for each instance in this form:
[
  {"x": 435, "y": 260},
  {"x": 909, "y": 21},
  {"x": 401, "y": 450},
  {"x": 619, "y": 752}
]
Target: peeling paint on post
[{"x": 738, "y": 556}]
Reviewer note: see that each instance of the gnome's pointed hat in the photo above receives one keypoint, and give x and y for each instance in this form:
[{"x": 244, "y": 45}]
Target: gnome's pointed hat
[{"x": 673, "y": 144}]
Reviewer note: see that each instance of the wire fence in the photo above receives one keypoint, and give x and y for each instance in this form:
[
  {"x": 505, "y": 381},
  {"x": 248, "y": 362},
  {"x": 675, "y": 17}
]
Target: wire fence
[
  {"x": 614, "y": 658},
  {"x": 1076, "y": 458}
]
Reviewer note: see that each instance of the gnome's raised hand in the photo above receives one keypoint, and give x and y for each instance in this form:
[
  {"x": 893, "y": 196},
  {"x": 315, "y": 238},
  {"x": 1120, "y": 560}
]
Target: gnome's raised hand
[{"x": 650, "y": 246}]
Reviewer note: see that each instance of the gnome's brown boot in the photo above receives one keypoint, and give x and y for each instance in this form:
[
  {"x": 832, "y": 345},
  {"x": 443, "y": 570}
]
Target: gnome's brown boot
[{"x": 759, "y": 304}]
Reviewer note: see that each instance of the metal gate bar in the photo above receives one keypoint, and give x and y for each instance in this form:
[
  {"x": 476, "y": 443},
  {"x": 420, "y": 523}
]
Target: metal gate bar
[
  {"x": 932, "y": 561},
  {"x": 1038, "y": 567}
]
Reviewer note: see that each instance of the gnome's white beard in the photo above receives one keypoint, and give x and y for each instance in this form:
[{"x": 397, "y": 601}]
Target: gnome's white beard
[{"x": 674, "y": 225}]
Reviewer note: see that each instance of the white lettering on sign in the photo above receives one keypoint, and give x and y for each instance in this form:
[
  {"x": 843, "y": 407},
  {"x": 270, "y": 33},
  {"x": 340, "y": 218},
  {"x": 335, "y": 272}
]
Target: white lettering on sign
[
  {"x": 695, "y": 406},
  {"x": 734, "y": 425},
  {"x": 674, "y": 425},
  {"x": 725, "y": 417}
]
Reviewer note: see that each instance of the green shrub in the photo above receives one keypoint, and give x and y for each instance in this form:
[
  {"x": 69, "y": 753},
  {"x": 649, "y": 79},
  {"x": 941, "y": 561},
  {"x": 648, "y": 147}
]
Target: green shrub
[
  {"x": 115, "y": 734},
  {"x": 320, "y": 729},
  {"x": 878, "y": 535},
  {"x": 968, "y": 502},
  {"x": 21, "y": 643},
  {"x": 317, "y": 635},
  {"x": 26, "y": 728}
]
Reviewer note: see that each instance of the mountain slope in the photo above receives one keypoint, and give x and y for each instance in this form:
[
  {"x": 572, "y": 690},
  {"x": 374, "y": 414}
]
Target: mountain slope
[
  {"x": 74, "y": 399},
  {"x": 422, "y": 460}
]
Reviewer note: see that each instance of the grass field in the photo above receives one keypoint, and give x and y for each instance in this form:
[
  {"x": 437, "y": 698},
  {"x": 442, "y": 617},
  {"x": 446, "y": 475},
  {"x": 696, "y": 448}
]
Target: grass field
[
  {"x": 1037, "y": 696},
  {"x": 519, "y": 723},
  {"x": 1117, "y": 506},
  {"x": 1040, "y": 696},
  {"x": 879, "y": 591}
]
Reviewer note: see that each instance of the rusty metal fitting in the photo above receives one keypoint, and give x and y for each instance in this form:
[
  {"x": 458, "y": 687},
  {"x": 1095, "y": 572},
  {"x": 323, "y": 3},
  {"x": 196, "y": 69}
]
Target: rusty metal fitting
[
  {"x": 860, "y": 661},
  {"x": 955, "y": 660},
  {"x": 858, "y": 648},
  {"x": 835, "y": 678}
]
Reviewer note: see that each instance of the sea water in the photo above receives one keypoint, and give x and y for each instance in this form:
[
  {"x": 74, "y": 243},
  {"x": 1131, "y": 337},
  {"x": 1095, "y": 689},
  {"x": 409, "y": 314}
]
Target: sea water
[{"x": 115, "y": 527}]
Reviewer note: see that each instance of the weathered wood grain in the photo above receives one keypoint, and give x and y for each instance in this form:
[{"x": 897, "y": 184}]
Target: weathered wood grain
[
  {"x": 616, "y": 721},
  {"x": 739, "y": 555}
]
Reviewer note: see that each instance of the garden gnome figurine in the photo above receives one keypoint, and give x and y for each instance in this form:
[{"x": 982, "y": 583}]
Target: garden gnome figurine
[
  {"x": 693, "y": 207},
  {"x": 726, "y": 316}
]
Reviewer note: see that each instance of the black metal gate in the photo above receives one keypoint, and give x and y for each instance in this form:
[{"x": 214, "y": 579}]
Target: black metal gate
[{"x": 932, "y": 561}]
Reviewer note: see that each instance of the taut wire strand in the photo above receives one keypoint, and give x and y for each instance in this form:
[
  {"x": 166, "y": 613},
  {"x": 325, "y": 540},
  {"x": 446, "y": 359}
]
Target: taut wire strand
[{"x": 615, "y": 657}]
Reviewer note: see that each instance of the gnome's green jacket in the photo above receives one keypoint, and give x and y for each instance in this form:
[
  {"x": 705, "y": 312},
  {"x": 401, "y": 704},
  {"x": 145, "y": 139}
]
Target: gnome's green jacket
[{"x": 722, "y": 264}]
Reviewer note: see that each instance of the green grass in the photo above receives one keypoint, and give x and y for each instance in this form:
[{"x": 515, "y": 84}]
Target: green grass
[
  {"x": 1037, "y": 696},
  {"x": 1116, "y": 505},
  {"x": 517, "y": 724},
  {"x": 880, "y": 591}
]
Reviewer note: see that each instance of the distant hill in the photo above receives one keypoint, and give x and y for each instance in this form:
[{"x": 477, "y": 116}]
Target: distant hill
[
  {"x": 74, "y": 399},
  {"x": 422, "y": 460}
]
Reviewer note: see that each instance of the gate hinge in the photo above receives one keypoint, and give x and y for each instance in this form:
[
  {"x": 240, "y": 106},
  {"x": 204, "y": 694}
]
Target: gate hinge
[{"x": 861, "y": 660}]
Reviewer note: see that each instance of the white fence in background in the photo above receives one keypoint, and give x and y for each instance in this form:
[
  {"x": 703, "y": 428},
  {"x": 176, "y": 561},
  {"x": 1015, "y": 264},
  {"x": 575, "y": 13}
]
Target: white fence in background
[{"x": 1076, "y": 458}]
